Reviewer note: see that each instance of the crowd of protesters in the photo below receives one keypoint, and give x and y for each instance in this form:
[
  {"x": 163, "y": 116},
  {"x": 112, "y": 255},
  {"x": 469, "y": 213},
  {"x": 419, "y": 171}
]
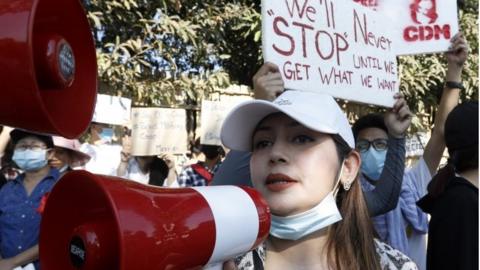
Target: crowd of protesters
[{"x": 340, "y": 195}]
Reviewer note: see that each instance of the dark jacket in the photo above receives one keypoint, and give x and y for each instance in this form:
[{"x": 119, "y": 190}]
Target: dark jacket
[{"x": 453, "y": 229}]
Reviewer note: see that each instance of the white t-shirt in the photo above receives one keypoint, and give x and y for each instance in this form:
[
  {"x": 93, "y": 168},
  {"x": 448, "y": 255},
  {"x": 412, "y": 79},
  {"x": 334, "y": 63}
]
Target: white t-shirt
[
  {"x": 134, "y": 173},
  {"x": 105, "y": 158}
]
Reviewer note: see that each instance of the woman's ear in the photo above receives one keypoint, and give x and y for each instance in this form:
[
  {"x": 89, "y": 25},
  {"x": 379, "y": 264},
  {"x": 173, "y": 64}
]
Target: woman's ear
[{"x": 351, "y": 168}]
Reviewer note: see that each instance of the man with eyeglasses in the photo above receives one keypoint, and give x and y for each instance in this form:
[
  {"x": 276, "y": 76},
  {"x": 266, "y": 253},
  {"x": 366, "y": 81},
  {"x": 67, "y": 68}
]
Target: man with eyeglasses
[
  {"x": 373, "y": 141},
  {"x": 405, "y": 227},
  {"x": 22, "y": 199}
]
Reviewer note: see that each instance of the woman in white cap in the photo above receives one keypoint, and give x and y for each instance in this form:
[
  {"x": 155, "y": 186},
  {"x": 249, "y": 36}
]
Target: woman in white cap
[
  {"x": 304, "y": 164},
  {"x": 67, "y": 155}
]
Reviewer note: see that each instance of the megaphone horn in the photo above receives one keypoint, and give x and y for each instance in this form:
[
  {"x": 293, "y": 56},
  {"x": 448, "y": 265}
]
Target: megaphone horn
[
  {"x": 48, "y": 68},
  {"x": 95, "y": 222}
]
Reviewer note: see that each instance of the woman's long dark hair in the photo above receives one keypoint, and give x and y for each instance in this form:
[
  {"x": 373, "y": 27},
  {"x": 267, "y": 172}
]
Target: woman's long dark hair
[
  {"x": 459, "y": 161},
  {"x": 350, "y": 243},
  {"x": 158, "y": 172}
]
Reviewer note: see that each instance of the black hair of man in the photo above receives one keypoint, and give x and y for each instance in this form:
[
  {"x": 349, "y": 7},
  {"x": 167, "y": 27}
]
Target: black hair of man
[
  {"x": 212, "y": 151},
  {"x": 373, "y": 120}
]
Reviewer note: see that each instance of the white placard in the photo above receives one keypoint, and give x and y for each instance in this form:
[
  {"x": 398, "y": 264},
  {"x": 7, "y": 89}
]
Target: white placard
[
  {"x": 415, "y": 144},
  {"x": 336, "y": 47},
  {"x": 420, "y": 26},
  {"x": 212, "y": 115},
  {"x": 112, "y": 110},
  {"x": 158, "y": 130}
]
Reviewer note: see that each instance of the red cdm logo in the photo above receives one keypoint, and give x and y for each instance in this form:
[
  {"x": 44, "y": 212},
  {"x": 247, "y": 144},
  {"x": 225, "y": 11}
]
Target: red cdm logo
[
  {"x": 367, "y": 3},
  {"x": 423, "y": 11}
]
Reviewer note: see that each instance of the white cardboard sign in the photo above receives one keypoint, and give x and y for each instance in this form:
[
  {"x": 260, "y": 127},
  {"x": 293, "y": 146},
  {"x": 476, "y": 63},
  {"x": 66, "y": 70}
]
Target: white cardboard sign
[
  {"x": 336, "y": 47},
  {"x": 212, "y": 115},
  {"x": 419, "y": 26},
  {"x": 112, "y": 110},
  {"x": 158, "y": 130},
  {"x": 415, "y": 144}
]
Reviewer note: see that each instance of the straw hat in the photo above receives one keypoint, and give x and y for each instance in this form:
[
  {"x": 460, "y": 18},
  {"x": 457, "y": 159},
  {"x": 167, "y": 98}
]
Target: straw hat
[{"x": 79, "y": 158}]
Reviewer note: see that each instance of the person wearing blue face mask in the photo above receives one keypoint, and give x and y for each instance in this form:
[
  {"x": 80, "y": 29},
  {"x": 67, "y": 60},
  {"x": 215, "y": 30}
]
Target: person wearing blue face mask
[
  {"x": 105, "y": 155},
  {"x": 372, "y": 141},
  {"x": 373, "y": 155},
  {"x": 22, "y": 199}
]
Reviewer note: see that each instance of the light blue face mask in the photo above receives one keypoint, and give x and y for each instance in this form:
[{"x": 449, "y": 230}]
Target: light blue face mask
[
  {"x": 106, "y": 134},
  {"x": 29, "y": 160},
  {"x": 300, "y": 225},
  {"x": 372, "y": 163}
]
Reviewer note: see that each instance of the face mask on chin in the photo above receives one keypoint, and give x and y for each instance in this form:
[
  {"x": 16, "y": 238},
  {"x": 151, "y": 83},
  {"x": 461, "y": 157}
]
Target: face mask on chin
[
  {"x": 300, "y": 225},
  {"x": 372, "y": 163},
  {"x": 29, "y": 160}
]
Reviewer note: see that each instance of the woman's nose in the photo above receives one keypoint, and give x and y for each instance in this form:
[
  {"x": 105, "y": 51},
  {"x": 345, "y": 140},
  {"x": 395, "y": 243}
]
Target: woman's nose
[{"x": 278, "y": 153}]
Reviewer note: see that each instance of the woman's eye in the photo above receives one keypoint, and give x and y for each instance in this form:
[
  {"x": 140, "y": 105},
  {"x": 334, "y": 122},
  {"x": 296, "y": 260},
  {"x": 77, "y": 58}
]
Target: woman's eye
[
  {"x": 302, "y": 139},
  {"x": 261, "y": 144}
]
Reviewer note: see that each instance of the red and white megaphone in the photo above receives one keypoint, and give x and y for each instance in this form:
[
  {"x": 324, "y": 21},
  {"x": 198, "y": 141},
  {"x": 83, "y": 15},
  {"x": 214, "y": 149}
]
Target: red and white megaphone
[
  {"x": 48, "y": 69},
  {"x": 94, "y": 222}
]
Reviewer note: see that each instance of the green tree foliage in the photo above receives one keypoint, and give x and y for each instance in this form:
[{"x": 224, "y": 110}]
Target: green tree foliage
[
  {"x": 173, "y": 53},
  {"x": 169, "y": 52}
]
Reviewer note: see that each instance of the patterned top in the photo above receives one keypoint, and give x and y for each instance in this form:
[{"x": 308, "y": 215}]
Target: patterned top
[
  {"x": 190, "y": 178},
  {"x": 390, "y": 259}
]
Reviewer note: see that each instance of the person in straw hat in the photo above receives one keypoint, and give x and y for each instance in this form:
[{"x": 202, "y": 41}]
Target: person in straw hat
[{"x": 67, "y": 155}]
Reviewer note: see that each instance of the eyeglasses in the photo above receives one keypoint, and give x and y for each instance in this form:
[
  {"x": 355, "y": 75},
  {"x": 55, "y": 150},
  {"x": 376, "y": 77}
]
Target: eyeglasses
[
  {"x": 378, "y": 144},
  {"x": 34, "y": 147}
]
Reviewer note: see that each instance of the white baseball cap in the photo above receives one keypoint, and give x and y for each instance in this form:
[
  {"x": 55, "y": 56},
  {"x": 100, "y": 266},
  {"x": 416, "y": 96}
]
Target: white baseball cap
[{"x": 316, "y": 111}]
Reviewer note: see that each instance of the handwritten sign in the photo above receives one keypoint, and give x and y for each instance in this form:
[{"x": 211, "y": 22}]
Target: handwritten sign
[
  {"x": 158, "y": 130},
  {"x": 336, "y": 47},
  {"x": 112, "y": 110},
  {"x": 415, "y": 145},
  {"x": 419, "y": 26},
  {"x": 212, "y": 115}
]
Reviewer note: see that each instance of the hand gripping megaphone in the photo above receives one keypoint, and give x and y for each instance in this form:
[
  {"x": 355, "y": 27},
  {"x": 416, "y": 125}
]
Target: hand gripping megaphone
[
  {"x": 48, "y": 69},
  {"x": 96, "y": 222}
]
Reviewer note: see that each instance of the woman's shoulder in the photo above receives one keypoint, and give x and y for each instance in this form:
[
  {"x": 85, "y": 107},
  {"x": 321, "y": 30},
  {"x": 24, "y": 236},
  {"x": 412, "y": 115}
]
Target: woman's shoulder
[{"x": 391, "y": 258}]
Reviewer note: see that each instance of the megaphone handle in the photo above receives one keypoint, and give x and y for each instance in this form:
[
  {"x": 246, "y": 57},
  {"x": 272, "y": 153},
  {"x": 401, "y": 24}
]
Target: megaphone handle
[{"x": 214, "y": 266}]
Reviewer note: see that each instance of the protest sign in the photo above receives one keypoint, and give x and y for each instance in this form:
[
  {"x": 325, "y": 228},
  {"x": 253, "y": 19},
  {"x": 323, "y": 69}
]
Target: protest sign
[
  {"x": 419, "y": 26},
  {"x": 415, "y": 144},
  {"x": 112, "y": 110},
  {"x": 336, "y": 47},
  {"x": 212, "y": 115},
  {"x": 158, "y": 130}
]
